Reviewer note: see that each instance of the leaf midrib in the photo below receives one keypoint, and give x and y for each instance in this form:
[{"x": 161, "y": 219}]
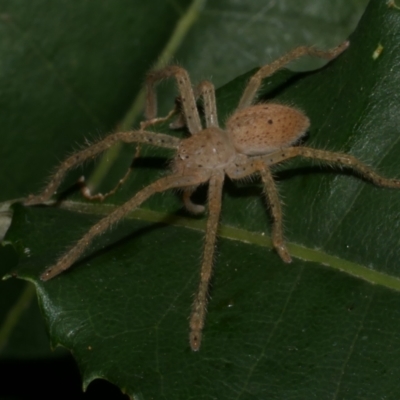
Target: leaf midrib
[{"x": 232, "y": 233}]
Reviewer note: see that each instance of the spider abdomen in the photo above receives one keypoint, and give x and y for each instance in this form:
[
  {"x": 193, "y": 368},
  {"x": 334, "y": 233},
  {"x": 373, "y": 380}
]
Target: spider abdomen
[{"x": 264, "y": 128}]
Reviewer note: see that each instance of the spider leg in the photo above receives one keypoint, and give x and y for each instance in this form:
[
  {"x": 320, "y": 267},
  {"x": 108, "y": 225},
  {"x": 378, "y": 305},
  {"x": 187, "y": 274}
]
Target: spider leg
[
  {"x": 156, "y": 139},
  {"x": 206, "y": 90},
  {"x": 189, "y": 205},
  {"x": 199, "y": 307},
  {"x": 276, "y": 211},
  {"x": 100, "y": 227},
  {"x": 85, "y": 190},
  {"x": 258, "y": 165},
  {"x": 267, "y": 70},
  {"x": 190, "y": 112},
  {"x": 333, "y": 158},
  {"x": 158, "y": 120}
]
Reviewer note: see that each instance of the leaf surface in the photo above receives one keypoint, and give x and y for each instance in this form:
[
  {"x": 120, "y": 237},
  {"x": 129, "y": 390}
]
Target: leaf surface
[{"x": 273, "y": 330}]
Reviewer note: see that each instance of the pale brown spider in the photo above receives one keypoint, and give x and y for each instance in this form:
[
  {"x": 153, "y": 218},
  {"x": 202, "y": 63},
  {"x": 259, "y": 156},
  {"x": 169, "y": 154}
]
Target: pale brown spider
[{"x": 256, "y": 137}]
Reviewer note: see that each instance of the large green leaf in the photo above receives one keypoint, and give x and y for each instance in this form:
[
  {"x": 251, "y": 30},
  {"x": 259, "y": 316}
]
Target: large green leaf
[
  {"x": 272, "y": 330},
  {"x": 84, "y": 64}
]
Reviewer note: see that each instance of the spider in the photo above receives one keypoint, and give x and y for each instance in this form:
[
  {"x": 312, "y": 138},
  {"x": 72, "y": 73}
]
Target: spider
[{"x": 255, "y": 138}]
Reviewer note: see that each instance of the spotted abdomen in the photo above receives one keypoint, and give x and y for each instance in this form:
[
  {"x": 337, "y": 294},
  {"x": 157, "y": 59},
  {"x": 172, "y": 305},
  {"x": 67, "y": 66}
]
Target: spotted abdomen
[{"x": 264, "y": 128}]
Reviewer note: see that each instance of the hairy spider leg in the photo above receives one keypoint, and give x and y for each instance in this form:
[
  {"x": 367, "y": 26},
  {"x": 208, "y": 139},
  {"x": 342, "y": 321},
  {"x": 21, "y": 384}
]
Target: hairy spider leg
[
  {"x": 333, "y": 159},
  {"x": 272, "y": 195},
  {"x": 158, "y": 120},
  {"x": 258, "y": 166},
  {"x": 199, "y": 308},
  {"x": 100, "y": 227},
  {"x": 188, "y": 100},
  {"x": 204, "y": 89},
  {"x": 85, "y": 190},
  {"x": 255, "y": 81},
  {"x": 156, "y": 139}
]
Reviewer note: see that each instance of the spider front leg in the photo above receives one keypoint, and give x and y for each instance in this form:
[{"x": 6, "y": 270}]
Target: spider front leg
[
  {"x": 199, "y": 308},
  {"x": 192, "y": 118},
  {"x": 168, "y": 182},
  {"x": 156, "y": 139},
  {"x": 204, "y": 90}
]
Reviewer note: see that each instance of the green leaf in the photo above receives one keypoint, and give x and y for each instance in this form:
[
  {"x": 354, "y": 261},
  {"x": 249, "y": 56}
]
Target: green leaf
[{"x": 272, "y": 330}]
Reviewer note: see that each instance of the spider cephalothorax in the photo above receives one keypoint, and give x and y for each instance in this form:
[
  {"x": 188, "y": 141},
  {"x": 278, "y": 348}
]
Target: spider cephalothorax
[{"x": 255, "y": 138}]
